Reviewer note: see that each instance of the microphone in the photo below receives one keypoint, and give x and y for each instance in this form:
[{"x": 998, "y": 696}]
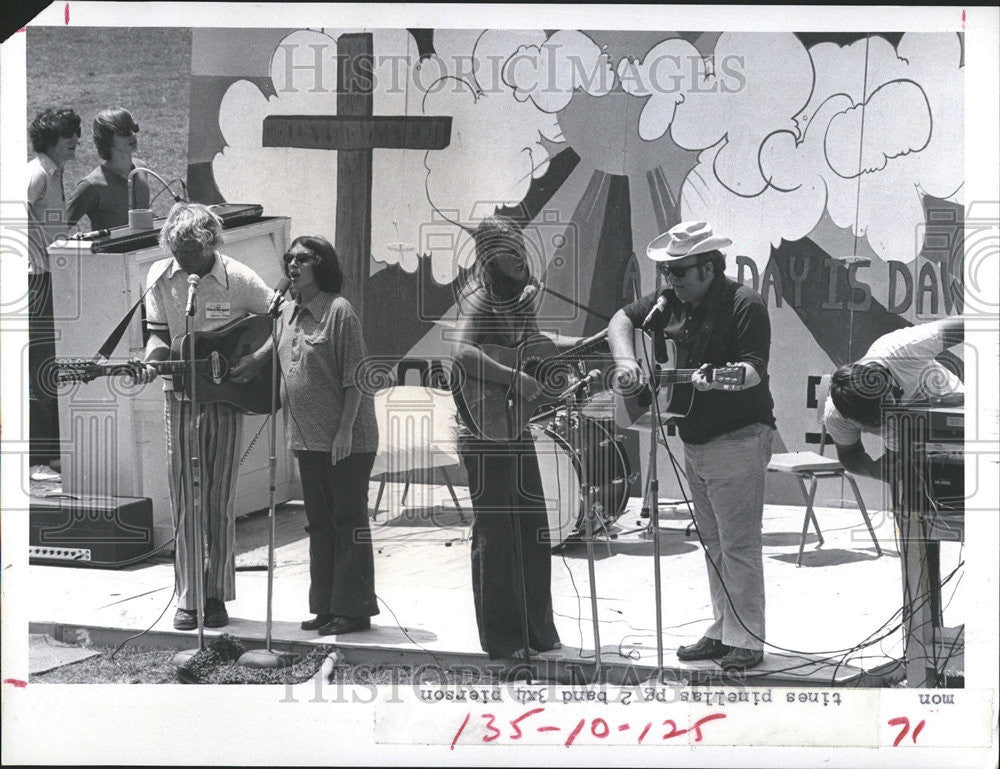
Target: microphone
[
  {"x": 279, "y": 290},
  {"x": 193, "y": 281},
  {"x": 658, "y": 309},
  {"x": 92, "y": 235},
  {"x": 592, "y": 376},
  {"x": 530, "y": 291}
]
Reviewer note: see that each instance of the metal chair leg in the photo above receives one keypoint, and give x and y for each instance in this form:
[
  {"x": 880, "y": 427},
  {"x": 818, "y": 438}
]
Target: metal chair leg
[
  {"x": 451, "y": 490},
  {"x": 406, "y": 488},
  {"x": 378, "y": 499},
  {"x": 805, "y": 522},
  {"x": 809, "y": 510},
  {"x": 864, "y": 512}
]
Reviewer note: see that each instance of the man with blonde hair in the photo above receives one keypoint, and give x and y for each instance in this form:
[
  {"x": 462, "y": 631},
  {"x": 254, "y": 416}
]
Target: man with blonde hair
[{"x": 227, "y": 291}]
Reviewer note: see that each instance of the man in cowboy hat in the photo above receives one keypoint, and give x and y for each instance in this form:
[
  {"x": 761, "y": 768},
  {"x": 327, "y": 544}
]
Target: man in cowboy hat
[{"x": 727, "y": 434}]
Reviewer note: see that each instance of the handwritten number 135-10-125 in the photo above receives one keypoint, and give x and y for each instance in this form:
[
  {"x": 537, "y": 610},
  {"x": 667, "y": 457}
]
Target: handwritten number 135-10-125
[{"x": 599, "y": 728}]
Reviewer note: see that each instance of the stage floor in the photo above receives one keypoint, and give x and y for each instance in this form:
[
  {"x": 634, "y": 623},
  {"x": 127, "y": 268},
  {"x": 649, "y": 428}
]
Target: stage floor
[{"x": 817, "y": 614}]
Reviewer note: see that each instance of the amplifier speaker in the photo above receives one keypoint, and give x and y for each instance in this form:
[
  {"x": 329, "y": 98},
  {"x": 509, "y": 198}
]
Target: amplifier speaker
[{"x": 87, "y": 530}]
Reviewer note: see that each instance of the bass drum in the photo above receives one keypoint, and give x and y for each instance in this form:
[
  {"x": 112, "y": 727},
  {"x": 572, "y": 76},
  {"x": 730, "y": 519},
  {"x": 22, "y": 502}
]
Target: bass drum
[{"x": 583, "y": 468}]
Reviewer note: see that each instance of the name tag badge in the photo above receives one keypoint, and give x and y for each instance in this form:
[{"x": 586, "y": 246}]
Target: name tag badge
[{"x": 217, "y": 310}]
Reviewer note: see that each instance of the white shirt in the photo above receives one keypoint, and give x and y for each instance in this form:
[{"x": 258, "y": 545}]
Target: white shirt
[
  {"x": 228, "y": 292},
  {"x": 909, "y": 355},
  {"x": 46, "y": 210}
]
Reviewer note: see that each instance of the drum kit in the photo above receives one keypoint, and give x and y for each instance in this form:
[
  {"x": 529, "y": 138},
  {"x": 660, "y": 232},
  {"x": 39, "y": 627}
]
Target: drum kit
[
  {"x": 585, "y": 470},
  {"x": 586, "y": 478}
]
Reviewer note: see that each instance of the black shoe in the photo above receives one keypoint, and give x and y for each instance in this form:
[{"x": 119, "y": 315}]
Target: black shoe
[
  {"x": 343, "y": 625},
  {"x": 215, "y": 613},
  {"x": 705, "y": 649},
  {"x": 741, "y": 659},
  {"x": 186, "y": 619},
  {"x": 316, "y": 622}
]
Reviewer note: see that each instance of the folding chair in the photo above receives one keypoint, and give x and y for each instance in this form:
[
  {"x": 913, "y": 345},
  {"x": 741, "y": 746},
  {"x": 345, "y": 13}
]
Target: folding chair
[
  {"x": 808, "y": 465},
  {"x": 417, "y": 433}
]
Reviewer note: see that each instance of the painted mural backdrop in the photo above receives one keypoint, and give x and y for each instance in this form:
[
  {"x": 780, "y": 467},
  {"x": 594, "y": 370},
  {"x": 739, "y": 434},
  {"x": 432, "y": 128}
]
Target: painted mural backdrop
[{"x": 832, "y": 161}]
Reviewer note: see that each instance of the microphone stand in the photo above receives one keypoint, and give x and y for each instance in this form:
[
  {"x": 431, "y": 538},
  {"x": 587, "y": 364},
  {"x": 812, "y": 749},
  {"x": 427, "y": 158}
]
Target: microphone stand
[
  {"x": 266, "y": 658},
  {"x": 194, "y": 526},
  {"x": 653, "y": 501},
  {"x": 591, "y": 571}
]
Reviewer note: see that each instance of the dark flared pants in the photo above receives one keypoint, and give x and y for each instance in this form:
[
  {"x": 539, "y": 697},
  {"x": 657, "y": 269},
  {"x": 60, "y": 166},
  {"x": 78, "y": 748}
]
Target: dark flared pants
[
  {"x": 43, "y": 430},
  {"x": 341, "y": 562},
  {"x": 507, "y": 499}
]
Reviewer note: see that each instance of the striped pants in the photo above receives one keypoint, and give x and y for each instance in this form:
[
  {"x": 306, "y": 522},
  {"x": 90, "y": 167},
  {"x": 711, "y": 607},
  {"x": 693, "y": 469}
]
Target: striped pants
[{"x": 220, "y": 439}]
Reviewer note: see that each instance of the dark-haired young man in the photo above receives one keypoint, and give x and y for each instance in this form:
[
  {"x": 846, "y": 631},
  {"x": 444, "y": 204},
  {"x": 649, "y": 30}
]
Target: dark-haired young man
[
  {"x": 54, "y": 134},
  {"x": 102, "y": 195},
  {"x": 900, "y": 367},
  {"x": 727, "y": 434}
]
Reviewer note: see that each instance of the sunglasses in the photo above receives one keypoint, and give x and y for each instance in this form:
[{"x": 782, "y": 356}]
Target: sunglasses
[
  {"x": 677, "y": 272},
  {"x": 300, "y": 258},
  {"x": 127, "y": 131}
]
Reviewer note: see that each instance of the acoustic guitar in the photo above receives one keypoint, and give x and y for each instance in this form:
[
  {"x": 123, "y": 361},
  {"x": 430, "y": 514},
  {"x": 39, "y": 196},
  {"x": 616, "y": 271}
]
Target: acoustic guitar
[
  {"x": 675, "y": 394},
  {"x": 496, "y": 410},
  {"x": 216, "y": 352}
]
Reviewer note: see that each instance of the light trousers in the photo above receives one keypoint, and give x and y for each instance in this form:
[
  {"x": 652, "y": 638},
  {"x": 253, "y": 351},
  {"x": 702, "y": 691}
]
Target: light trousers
[
  {"x": 221, "y": 436},
  {"x": 726, "y": 478}
]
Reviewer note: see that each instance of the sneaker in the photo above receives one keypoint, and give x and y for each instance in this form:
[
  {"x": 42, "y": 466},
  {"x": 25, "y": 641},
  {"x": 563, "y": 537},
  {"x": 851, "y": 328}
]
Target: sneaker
[
  {"x": 215, "y": 613},
  {"x": 44, "y": 473},
  {"x": 705, "y": 649},
  {"x": 186, "y": 619},
  {"x": 742, "y": 659}
]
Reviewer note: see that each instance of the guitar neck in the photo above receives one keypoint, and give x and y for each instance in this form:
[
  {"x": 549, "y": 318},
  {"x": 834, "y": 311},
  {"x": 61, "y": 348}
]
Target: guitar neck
[
  {"x": 675, "y": 375},
  {"x": 163, "y": 367},
  {"x": 584, "y": 347}
]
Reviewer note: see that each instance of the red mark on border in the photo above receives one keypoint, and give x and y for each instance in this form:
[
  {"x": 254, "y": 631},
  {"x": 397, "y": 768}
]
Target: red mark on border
[
  {"x": 697, "y": 724},
  {"x": 963, "y": 18},
  {"x": 17, "y": 682},
  {"x": 66, "y": 14},
  {"x": 576, "y": 730},
  {"x": 460, "y": 730},
  {"x": 904, "y": 722}
]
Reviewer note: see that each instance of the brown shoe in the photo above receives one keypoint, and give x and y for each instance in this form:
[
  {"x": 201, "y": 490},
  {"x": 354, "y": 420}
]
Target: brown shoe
[
  {"x": 316, "y": 622},
  {"x": 741, "y": 659},
  {"x": 344, "y": 625},
  {"x": 186, "y": 619},
  {"x": 705, "y": 649},
  {"x": 215, "y": 613}
]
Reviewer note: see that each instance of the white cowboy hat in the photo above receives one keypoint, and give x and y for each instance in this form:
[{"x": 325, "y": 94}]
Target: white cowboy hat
[{"x": 683, "y": 240}]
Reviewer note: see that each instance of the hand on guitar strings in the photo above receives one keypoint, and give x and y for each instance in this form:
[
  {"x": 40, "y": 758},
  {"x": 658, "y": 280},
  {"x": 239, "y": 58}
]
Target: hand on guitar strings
[
  {"x": 246, "y": 368},
  {"x": 628, "y": 377},
  {"x": 140, "y": 372},
  {"x": 701, "y": 378}
]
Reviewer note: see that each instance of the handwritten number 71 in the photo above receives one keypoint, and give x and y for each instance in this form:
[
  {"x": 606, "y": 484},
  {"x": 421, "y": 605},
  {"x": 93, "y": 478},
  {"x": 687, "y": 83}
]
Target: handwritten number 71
[{"x": 905, "y": 723}]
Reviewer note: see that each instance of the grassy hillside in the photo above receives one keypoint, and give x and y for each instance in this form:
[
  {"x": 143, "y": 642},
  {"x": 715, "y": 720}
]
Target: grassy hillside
[{"x": 145, "y": 70}]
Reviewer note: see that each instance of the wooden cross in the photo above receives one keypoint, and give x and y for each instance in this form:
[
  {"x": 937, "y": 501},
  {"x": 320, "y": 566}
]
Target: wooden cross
[{"x": 354, "y": 132}]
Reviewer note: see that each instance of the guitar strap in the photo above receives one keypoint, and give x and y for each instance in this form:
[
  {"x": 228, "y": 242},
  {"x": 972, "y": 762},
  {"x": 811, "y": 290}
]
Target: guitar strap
[{"x": 104, "y": 353}]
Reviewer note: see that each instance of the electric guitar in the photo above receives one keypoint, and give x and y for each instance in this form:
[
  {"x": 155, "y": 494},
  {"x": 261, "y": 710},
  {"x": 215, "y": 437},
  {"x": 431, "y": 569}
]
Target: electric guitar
[
  {"x": 675, "y": 394},
  {"x": 215, "y": 354},
  {"x": 497, "y": 411}
]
